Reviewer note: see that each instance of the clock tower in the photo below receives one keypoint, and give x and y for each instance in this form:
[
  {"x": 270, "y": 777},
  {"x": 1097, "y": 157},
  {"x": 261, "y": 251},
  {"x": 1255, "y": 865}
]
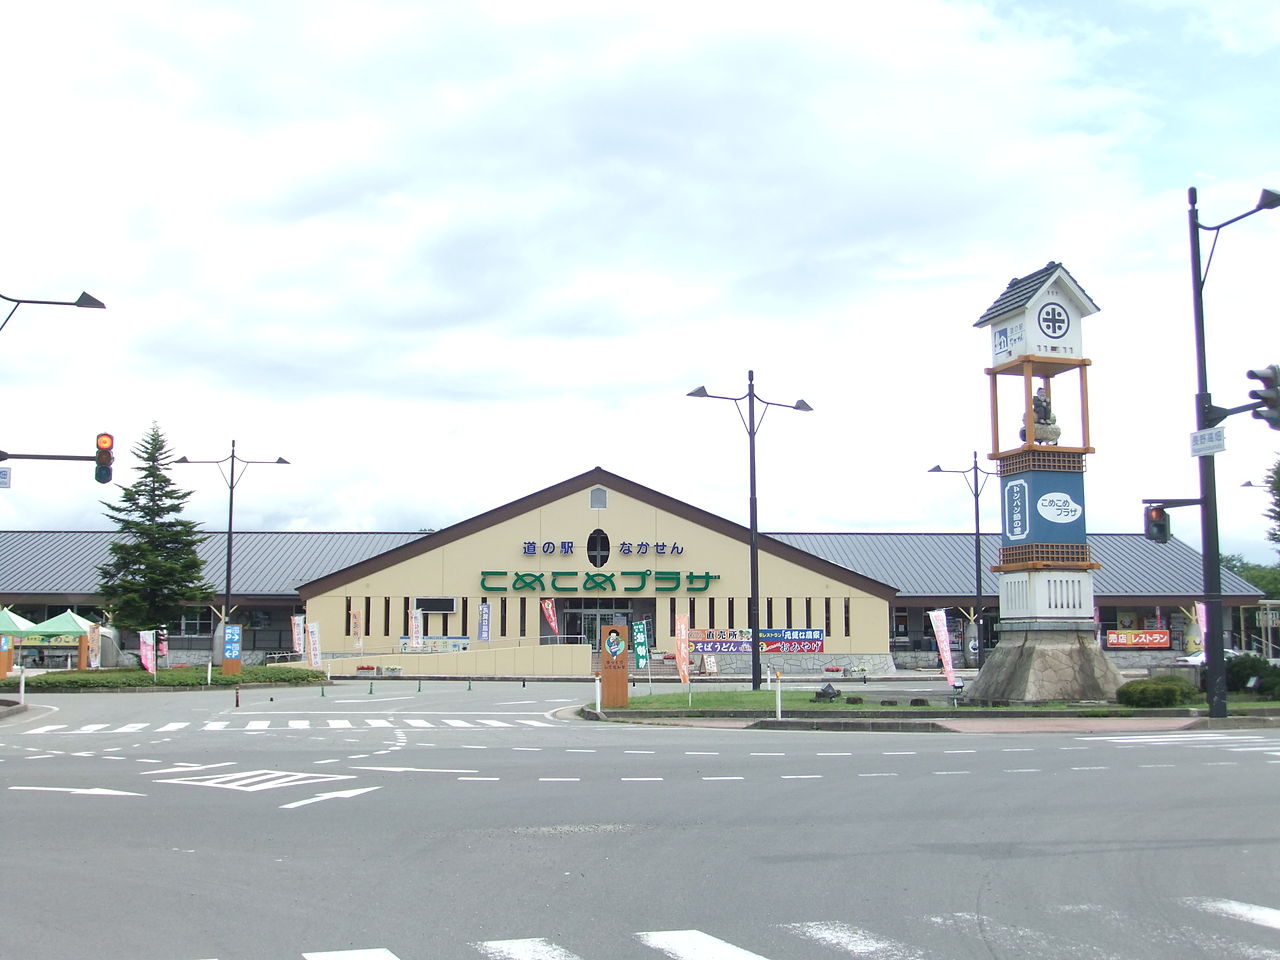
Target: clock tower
[{"x": 1048, "y": 647}]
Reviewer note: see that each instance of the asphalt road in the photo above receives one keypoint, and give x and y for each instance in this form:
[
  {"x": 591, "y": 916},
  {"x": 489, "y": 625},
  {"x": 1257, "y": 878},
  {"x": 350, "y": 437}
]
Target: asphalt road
[{"x": 464, "y": 824}]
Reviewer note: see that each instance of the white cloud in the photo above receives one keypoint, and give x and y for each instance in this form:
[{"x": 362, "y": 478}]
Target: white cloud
[{"x": 440, "y": 255}]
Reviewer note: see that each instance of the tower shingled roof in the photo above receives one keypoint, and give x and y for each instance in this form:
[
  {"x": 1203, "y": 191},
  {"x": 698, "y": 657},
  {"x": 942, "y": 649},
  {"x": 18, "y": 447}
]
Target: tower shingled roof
[{"x": 1022, "y": 290}]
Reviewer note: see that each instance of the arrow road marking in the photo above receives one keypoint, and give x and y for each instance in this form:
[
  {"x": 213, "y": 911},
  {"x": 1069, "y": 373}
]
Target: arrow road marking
[
  {"x": 335, "y": 794},
  {"x": 86, "y": 791}
]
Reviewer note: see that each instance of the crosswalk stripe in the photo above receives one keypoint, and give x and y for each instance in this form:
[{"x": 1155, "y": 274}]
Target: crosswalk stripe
[
  {"x": 258, "y": 725},
  {"x": 535, "y": 949},
  {"x": 694, "y": 945},
  {"x": 494, "y": 723},
  {"x": 1235, "y": 910},
  {"x": 853, "y": 941},
  {"x": 299, "y": 724},
  {"x": 215, "y": 725},
  {"x": 377, "y": 953},
  {"x": 339, "y": 724},
  {"x": 173, "y": 726},
  {"x": 91, "y": 727},
  {"x": 373, "y": 722},
  {"x": 414, "y": 722},
  {"x": 536, "y": 723},
  {"x": 46, "y": 729},
  {"x": 457, "y": 723},
  {"x": 131, "y": 728}
]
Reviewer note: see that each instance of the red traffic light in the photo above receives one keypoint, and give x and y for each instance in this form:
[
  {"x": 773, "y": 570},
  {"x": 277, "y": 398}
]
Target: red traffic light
[
  {"x": 1156, "y": 524},
  {"x": 106, "y": 441}
]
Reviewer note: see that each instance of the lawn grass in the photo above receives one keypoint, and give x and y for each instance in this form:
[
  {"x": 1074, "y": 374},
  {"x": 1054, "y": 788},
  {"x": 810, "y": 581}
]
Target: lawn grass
[{"x": 793, "y": 700}]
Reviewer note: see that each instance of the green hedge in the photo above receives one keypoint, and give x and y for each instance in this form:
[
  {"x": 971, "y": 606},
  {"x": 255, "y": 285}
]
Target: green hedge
[
  {"x": 177, "y": 677},
  {"x": 1162, "y": 691}
]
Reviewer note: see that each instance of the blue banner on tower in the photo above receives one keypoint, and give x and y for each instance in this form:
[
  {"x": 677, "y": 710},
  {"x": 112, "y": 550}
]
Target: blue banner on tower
[{"x": 1044, "y": 506}]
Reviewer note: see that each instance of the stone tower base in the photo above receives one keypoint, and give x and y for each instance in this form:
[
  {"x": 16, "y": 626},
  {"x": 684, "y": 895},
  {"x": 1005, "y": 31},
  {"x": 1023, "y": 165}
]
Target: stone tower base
[{"x": 1036, "y": 663}]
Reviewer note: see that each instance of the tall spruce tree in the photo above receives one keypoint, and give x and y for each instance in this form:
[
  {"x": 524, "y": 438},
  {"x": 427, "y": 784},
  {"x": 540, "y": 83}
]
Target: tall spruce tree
[{"x": 154, "y": 568}]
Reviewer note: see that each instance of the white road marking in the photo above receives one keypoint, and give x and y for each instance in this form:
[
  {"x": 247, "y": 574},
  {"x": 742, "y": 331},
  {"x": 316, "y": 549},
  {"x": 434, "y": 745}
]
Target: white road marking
[
  {"x": 257, "y": 725},
  {"x": 411, "y": 769},
  {"x": 46, "y": 729},
  {"x": 251, "y": 781},
  {"x": 456, "y": 723},
  {"x": 84, "y": 791},
  {"x": 216, "y": 725},
  {"x": 131, "y": 728},
  {"x": 92, "y": 727},
  {"x": 299, "y": 724},
  {"x": 188, "y": 767},
  {"x": 1252, "y": 913},
  {"x": 801, "y": 776},
  {"x": 339, "y": 724},
  {"x": 559, "y": 779},
  {"x": 414, "y": 722},
  {"x": 950, "y": 773},
  {"x": 724, "y": 778},
  {"x": 377, "y": 953},
  {"x": 494, "y": 723},
  {"x": 853, "y": 941},
  {"x": 374, "y": 722},
  {"x": 333, "y": 795},
  {"x": 761, "y": 754},
  {"x": 479, "y": 778},
  {"x": 537, "y": 949},
  {"x": 1024, "y": 770},
  {"x": 641, "y": 779},
  {"x": 630, "y": 751},
  {"x": 694, "y": 945},
  {"x": 173, "y": 726}
]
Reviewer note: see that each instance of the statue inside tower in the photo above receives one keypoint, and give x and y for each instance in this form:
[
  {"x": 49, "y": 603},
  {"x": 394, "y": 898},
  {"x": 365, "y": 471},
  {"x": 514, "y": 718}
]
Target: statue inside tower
[{"x": 1046, "y": 423}]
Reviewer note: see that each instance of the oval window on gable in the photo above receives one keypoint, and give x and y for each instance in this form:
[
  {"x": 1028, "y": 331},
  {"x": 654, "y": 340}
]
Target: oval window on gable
[{"x": 598, "y": 548}]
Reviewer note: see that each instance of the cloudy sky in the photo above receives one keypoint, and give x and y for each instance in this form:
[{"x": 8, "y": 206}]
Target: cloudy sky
[{"x": 440, "y": 255}]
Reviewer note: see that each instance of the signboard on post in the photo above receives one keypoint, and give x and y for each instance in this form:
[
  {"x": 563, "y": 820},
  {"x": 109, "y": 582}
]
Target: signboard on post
[
  {"x": 613, "y": 666},
  {"x": 231, "y": 649}
]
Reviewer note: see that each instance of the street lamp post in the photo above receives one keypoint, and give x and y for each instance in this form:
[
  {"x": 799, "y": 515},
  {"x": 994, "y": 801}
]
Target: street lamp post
[
  {"x": 84, "y": 300},
  {"x": 975, "y": 483},
  {"x": 232, "y": 480},
  {"x": 753, "y": 425},
  {"x": 1208, "y": 416}
]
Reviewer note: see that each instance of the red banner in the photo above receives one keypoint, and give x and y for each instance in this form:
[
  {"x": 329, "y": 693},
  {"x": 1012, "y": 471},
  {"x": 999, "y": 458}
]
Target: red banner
[
  {"x": 549, "y": 613},
  {"x": 682, "y": 647}
]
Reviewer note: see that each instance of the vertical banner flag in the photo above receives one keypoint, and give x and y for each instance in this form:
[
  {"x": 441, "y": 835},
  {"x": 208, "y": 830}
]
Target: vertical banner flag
[
  {"x": 941, "y": 634},
  {"x": 313, "y": 645},
  {"x": 482, "y": 627},
  {"x": 298, "y": 627},
  {"x": 147, "y": 650},
  {"x": 682, "y": 646},
  {"x": 640, "y": 640},
  {"x": 549, "y": 612},
  {"x": 95, "y": 647},
  {"x": 357, "y": 638},
  {"x": 415, "y": 630},
  {"x": 1202, "y": 620}
]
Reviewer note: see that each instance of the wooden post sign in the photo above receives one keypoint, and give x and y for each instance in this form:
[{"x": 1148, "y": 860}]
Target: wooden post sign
[{"x": 613, "y": 666}]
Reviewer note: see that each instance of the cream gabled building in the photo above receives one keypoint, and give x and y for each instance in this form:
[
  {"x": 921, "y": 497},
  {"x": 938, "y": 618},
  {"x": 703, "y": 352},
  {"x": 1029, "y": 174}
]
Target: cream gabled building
[{"x": 590, "y": 552}]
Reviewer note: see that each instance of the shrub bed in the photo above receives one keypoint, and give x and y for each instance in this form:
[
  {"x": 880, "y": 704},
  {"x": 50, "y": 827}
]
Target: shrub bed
[
  {"x": 176, "y": 677},
  {"x": 1163, "y": 691}
]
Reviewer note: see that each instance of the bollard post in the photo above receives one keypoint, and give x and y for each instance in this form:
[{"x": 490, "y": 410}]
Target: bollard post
[
  {"x": 237, "y": 694},
  {"x": 777, "y": 704},
  {"x": 370, "y": 688},
  {"x": 22, "y": 684},
  {"x": 208, "y": 674},
  {"x": 419, "y": 686},
  {"x": 468, "y": 683},
  {"x": 597, "y": 693},
  {"x": 322, "y": 689}
]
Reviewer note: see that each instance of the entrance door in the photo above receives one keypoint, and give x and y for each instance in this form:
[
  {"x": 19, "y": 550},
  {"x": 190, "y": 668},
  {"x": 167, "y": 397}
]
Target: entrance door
[{"x": 587, "y": 619}]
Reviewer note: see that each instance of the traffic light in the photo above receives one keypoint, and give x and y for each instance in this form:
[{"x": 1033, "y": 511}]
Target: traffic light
[
  {"x": 1269, "y": 394},
  {"x": 1156, "y": 524},
  {"x": 104, "y": 457}
]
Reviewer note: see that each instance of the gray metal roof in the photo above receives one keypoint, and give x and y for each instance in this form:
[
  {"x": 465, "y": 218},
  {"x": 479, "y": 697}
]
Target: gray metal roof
[
  {"x": 941, "y": 564},
  {"x": 263, "y": 564},
  {"x": 919, "y": 564}
]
